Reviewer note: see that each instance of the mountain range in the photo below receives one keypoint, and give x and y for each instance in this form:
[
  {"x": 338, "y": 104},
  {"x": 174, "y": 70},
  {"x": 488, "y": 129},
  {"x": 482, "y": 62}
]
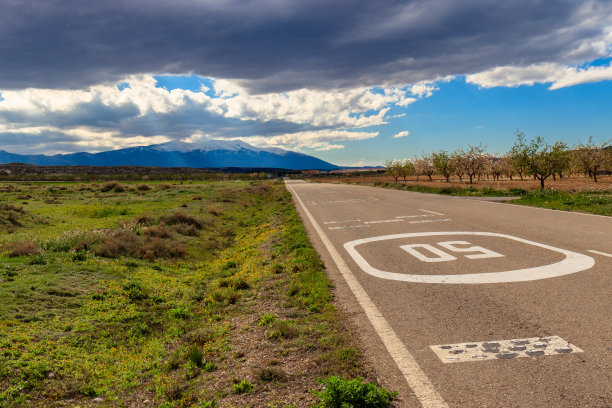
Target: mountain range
[{"x": 207, "y": 154}]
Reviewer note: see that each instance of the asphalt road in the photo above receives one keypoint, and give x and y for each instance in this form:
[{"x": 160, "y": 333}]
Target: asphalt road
[{"x": 467, "y": 303}]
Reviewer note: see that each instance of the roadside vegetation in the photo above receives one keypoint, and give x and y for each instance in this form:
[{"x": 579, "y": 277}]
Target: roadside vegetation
[
  {"x": 203, "y": 294},
  {"x": 580, "y": 177}
]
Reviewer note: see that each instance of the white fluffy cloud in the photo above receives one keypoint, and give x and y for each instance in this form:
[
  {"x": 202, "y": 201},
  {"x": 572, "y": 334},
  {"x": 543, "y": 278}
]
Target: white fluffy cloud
[
  {"x": 106, "y": 116},
  {"x": 557, "y": 75},
  {"x": 403, "y": 133}
]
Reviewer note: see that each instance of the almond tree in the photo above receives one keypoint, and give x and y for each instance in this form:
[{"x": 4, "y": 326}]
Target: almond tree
[
  {"x": 443, "y": 163},
  {"x": 423, "y": 166},
  {"x": 473, "y": 161},
  {"x": 495, "y": 165},
  {"x": 393, "y": 168},
  {"x": 405, "y": 169},
  {"x": 457, "y": 160},
  {"x": 591, "y": 158},
  {"x": 539, "y": 158}
]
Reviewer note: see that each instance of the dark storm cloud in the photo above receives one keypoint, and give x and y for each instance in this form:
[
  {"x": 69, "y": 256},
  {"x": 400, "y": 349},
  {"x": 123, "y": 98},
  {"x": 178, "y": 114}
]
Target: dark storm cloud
[{"x": 282, "y": 44}]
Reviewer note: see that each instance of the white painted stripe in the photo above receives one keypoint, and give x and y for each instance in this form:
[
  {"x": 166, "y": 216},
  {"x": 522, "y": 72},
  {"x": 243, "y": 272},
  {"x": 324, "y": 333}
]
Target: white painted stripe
[
  {"x": 573, "y": 262},
  {"x": 415, "y": 377},
  {"x": 381, "y": 221},
  {"x": 348, "y": 227},
  {"x": 415, "y": 216},
  {"x": 431, "y": 212},
  {"x": 427, "y": 221},
  {"x": 599, "y": 253},
  {"x": 341, "y": 222}
]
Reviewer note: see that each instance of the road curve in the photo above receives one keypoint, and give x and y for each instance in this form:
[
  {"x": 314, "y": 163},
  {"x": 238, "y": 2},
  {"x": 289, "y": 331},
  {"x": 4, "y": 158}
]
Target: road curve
[{"x": 467, "y": 303}]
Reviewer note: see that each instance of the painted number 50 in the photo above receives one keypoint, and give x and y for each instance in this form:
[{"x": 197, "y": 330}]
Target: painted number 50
[{"x": 475, "y": 252}]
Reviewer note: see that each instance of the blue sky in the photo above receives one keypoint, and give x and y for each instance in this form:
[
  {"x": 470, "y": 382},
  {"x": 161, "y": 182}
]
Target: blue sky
[{"x": 351, "y": 82}]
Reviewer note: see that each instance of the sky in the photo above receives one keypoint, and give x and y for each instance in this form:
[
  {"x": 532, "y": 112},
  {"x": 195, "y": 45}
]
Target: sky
[{"x": 352, "y": 82}]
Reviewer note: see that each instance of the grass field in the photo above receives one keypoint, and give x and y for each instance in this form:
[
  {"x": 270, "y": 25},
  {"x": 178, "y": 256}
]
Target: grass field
[{"x": 163, "y": 295}]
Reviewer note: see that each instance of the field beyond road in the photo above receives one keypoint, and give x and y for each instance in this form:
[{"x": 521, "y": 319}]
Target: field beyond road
[{"x": 163, "y": 295}]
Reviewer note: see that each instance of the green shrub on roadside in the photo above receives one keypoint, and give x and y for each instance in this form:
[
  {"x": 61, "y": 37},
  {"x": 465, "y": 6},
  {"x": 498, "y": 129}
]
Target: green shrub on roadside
[{"x": 340, "y": 393}]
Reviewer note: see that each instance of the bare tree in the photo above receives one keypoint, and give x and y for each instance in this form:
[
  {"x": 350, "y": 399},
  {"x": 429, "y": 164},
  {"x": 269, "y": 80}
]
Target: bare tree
[
  {"x": 592, "y": 158},
  {"x": 457, "y": 160}
]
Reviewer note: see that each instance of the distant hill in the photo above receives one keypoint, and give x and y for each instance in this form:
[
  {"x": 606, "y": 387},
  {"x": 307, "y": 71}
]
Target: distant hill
[{"x": 209, "y": 154}]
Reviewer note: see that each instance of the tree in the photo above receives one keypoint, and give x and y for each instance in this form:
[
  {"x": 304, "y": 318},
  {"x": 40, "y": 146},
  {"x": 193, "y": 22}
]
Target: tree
[
  {"x": 517, "y": 155},
  {"x": 392, "y": 168},
  {"x": 423, "y": 166},
  {"x": 444, "y": 164},
  {"x": 495, "y": 166},
  {"x": 457, "y": 163},
  {"x": 538, "y": 157},
  {"x": 592, "y": 158},
  {"x": 473, "y": 161},
  {"x": 405, "y": 169}
]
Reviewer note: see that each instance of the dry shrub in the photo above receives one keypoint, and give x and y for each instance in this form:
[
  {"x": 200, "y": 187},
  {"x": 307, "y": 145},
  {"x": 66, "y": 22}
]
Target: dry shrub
[
  {"x": 125, "y": 243},
  {"x": 156, "y": 248},
  {"x": 182, "y": 218},
  {"x": 109, "y": 186},
  {"x": 5, "y": 207},
  {"x": 258, "y": 189},
  {"x": 215, "y": 210},
  {"x": 158, "y": 231},
  {"x": 164, "y": 186},
  {"x": 197, "y": 197},
  {"x": 144, "y": 220},
  {"x": 143, "y": 187},
  {"x": 23, "y": 248},
  {"x": 186, "y": 229},
  {"x": 119, "y": 189}
]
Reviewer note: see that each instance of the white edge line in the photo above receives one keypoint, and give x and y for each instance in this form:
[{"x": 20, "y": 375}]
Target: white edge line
[
  {"x": 414, "y": 376},
  {"x": 599, "y": 253}
]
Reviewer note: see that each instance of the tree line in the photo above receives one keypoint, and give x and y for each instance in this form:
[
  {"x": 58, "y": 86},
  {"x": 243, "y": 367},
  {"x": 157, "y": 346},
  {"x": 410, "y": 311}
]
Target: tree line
[{"x": 527, "y": 158}]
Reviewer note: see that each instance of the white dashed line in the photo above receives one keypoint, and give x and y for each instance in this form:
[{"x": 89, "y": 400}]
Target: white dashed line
[
  {"x": 426, "y": 221},
  {"x": 412, "y": 373},
  {"x": 415, "y": 216},
  {"x": 599, "y": 253},
  {"x": 431, "y": 212},
  {"x": 381, "y": 221},
  {"x": 341, "y": 222},
  {"x": 348, "y": 227}
]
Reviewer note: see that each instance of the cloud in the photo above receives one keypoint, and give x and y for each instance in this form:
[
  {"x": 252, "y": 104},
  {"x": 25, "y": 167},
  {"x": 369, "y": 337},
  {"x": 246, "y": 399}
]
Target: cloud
[
  {"x": 317, "y": 140},
  {"x": 555, "y": 74},
  {"x": 280, "y": 45},
  {"x": 403, "y": 133}
]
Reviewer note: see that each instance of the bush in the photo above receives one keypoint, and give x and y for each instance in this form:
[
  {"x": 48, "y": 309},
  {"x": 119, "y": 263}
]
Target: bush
[
  {"x": 24, "y": 248},
  {"x": 339, "y": 393},
  {"x": 186, "y": 229},
  {"x": 195, "y": 356},
  {"x": 143, "y": 187},
  {"x": 109, "y": 186},
  {"x": 182, "y": 218},
  {"x": 158, "y": 232},
  {"x": 125, "y": 243}
]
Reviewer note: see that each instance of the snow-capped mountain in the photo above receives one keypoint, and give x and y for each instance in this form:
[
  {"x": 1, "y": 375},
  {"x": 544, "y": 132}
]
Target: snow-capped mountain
[{"x": 207, "y": 154}]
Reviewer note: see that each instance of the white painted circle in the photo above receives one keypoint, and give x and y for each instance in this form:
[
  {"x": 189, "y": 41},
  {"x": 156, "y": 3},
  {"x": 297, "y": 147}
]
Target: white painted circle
[{"x": 572, "y": 263}]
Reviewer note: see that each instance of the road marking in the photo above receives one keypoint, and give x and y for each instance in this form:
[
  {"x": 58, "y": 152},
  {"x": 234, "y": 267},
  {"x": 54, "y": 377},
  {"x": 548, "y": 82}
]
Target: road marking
[
  {"x": 503, "y": 349},
  {"x": 350, "y": 200},
  {"x": 414, "y": 376},
  {"x": 599, "y": 253},
  {"x": 428, "y": 221},
  {"x": 381, "y": 221},
  {"x": 415, "y": 216},
  {"x": 341, "y": 222},
  {"x": 431, "y": 212},
  {"x": 348, "y": 227},
  {"x": 573, "y": 262}
]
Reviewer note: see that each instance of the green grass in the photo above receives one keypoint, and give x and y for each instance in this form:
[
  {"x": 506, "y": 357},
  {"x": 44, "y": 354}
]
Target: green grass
[
  {"x": 595, "y": 202},
  {"x": 99, "y": 306}
]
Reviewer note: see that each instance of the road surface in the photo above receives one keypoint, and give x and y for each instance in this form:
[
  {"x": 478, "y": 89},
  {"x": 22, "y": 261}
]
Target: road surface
[{"x": 467, "y": 303}]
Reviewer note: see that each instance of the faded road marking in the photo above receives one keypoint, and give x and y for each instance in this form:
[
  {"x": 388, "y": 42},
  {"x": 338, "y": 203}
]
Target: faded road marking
[
  {"x": 573, "y": 262},
  {"x": 350, "y": 201},
  {"x": 428, "y": 221},
  {"x": 599, "y": 253},
  {"x": 431, "y": 212},
  {"x": 349, "y": 227},
  {"x": 381, "y": 221},
  {"x": 341, "y": 222},
  {"x": 503, "y": 349},
  {"x": 412, "y": 373},
  {"x": 415, "y": 216}
]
